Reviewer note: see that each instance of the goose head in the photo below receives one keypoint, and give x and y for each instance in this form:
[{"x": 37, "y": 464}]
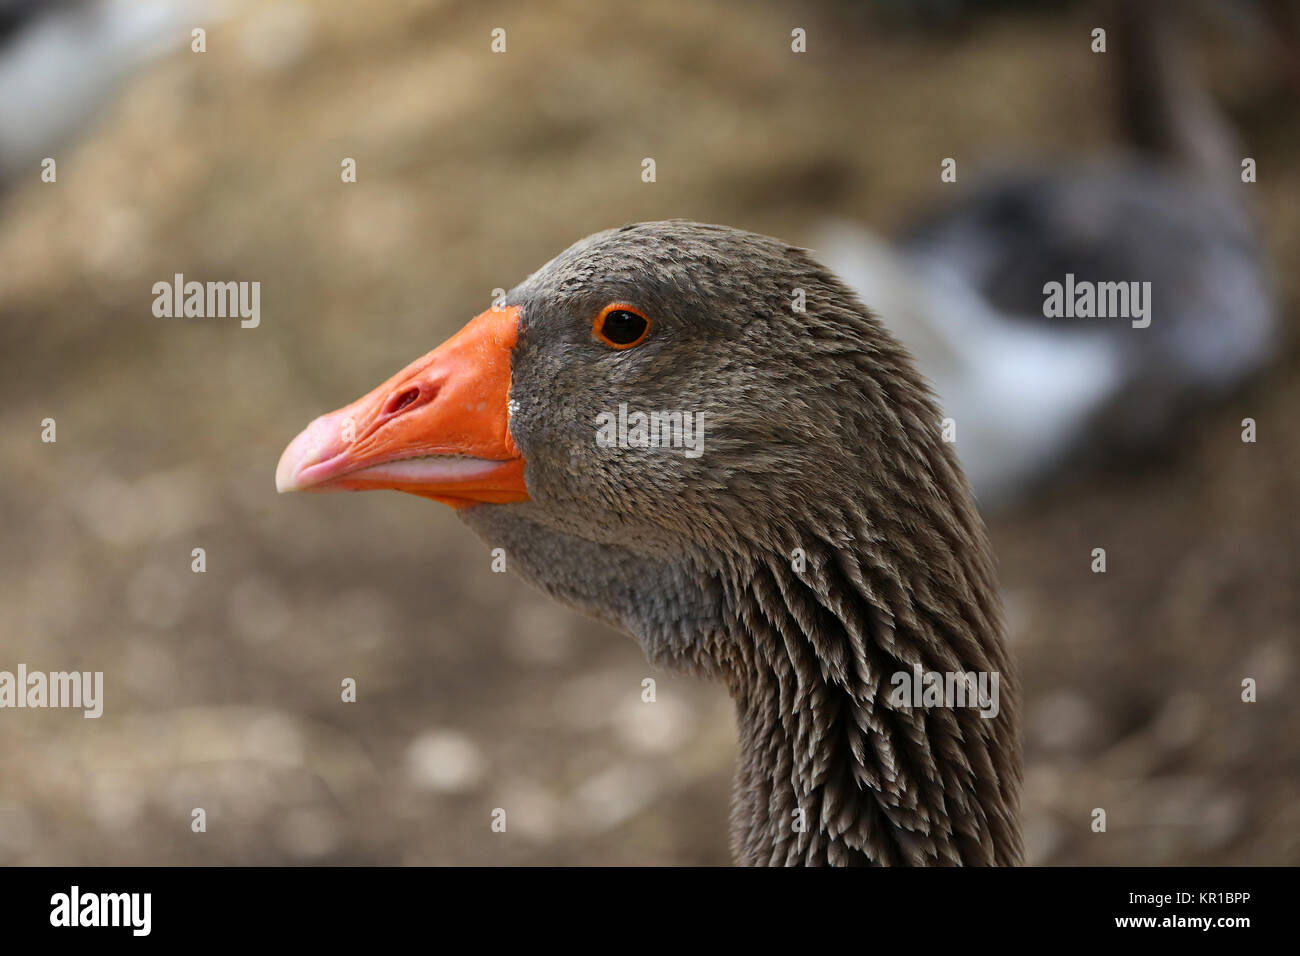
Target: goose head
[{"x": 701, "y": 436}]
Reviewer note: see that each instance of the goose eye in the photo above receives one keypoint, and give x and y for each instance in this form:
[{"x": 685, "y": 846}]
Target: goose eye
[{"x": 620, "y": 326}]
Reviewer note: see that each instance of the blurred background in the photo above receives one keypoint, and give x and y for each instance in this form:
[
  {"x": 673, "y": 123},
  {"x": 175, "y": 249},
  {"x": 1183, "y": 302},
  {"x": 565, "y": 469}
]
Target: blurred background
[{"x": 222, "y": 689}]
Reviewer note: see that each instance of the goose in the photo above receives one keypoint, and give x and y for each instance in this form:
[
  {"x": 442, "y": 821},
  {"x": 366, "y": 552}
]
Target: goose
[{"x": 814, "y": 552}]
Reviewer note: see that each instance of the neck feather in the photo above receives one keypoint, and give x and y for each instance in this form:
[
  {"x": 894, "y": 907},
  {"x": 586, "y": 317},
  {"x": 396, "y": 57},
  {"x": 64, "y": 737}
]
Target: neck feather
[{"x": 832, "y": 770}]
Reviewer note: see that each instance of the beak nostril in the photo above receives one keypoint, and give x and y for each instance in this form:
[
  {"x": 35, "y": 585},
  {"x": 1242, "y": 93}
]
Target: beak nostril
[{"x": 400, "y": 401}]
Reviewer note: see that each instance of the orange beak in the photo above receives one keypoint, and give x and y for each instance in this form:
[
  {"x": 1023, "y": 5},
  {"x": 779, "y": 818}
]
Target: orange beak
[{"x": 440, "y": 428}]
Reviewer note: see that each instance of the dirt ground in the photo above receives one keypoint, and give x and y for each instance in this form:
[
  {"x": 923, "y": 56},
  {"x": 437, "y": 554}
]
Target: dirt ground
[{"x": 474, "y": 692}]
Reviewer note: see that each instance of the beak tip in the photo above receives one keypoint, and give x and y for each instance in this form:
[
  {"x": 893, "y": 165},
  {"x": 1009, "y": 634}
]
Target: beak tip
[
  {"x": 285, "y": 477},
  {"x": 304, "y": 450}
]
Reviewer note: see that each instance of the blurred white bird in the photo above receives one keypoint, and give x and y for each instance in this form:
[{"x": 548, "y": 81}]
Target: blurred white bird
[
  {"x": 964, "y": 288},
  {"x": 62, "y": 60}
]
